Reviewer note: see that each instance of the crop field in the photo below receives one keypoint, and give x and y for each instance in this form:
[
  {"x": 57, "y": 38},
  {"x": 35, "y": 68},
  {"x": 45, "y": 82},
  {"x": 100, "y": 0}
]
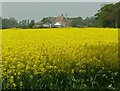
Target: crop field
[{"x": 60, "y": 59}]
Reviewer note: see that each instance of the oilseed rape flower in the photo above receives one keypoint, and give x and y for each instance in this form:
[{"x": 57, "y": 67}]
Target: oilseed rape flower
[{"x": 60, "y": 58}]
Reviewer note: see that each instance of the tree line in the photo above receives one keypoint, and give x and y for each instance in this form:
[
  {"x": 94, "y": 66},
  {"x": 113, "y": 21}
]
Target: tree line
[
  {"x": 75, "y": 22},
  {"x": 107, "y": 16},
  {"x": 13, "y": 23}
]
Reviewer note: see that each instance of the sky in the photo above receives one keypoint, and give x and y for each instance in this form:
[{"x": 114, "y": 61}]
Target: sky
[
  {"x": 59, "y": 0},
  {"x": 38, "y": 10}
]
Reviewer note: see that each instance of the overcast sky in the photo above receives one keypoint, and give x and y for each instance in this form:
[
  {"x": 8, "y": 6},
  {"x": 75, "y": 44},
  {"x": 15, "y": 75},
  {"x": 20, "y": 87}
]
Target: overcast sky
[
  {"x": 59, "y": 0},
  {"x": 38, "y": 10}
]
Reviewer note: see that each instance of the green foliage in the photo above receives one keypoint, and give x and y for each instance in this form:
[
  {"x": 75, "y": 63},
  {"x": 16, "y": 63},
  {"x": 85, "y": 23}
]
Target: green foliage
[
  {"x": 9, "y": 23},
  {"x": 31, "y": 24},
  {"x": 76, "y": 22},
  {"x": 26, "y": 24},
  {"x": 108, "y": 15},
  {"x": 47, "y": 20},
  {"x": 90, "y": 22},
  {"x": 0, "y": 22}
]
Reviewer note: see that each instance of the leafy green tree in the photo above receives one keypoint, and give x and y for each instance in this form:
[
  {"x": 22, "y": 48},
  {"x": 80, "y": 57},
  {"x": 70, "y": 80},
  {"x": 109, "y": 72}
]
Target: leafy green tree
[
  {"x": 9, "y": 23},
  {"x": 5, "y": 23},
  {"x": 107, "y": 16},
  {"x": 26, "y": 24},
  {"x": 13, "y": 23},
  {"x": 76, "y": 22},
  {"x": 47, "y": 19},
  {"x": 0, "y": 22},
  {"x": 90, "y": 21},
  {"x": 31, "y": 24}
]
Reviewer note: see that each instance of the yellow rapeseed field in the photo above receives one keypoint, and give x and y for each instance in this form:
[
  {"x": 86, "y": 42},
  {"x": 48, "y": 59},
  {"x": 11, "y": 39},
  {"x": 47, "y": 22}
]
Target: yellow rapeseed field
[{"x": 60, "y": 58}]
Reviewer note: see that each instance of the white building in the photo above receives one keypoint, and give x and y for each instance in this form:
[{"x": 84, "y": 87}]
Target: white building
[{"x": 57, "y": 24}]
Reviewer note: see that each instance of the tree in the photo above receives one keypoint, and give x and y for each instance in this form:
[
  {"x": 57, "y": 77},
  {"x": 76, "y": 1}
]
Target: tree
[
  {"x": 76, "y": 22},
  {"x": 107, "y": 16},
  {"x": 47, "y": 20},
  {"x": 26, "y": 24},
  {"x": 0, "y": 22},
  {"x": 31, "y": 24},
  {"x": 23, "y": 24},
  {"x": 9, "y": 23},
  {"x": 44, "y": 20},
  {"x": 90, "y": 21},
  {"x": 5, "y": 23},
  {"x": 13, "y": 23}
]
